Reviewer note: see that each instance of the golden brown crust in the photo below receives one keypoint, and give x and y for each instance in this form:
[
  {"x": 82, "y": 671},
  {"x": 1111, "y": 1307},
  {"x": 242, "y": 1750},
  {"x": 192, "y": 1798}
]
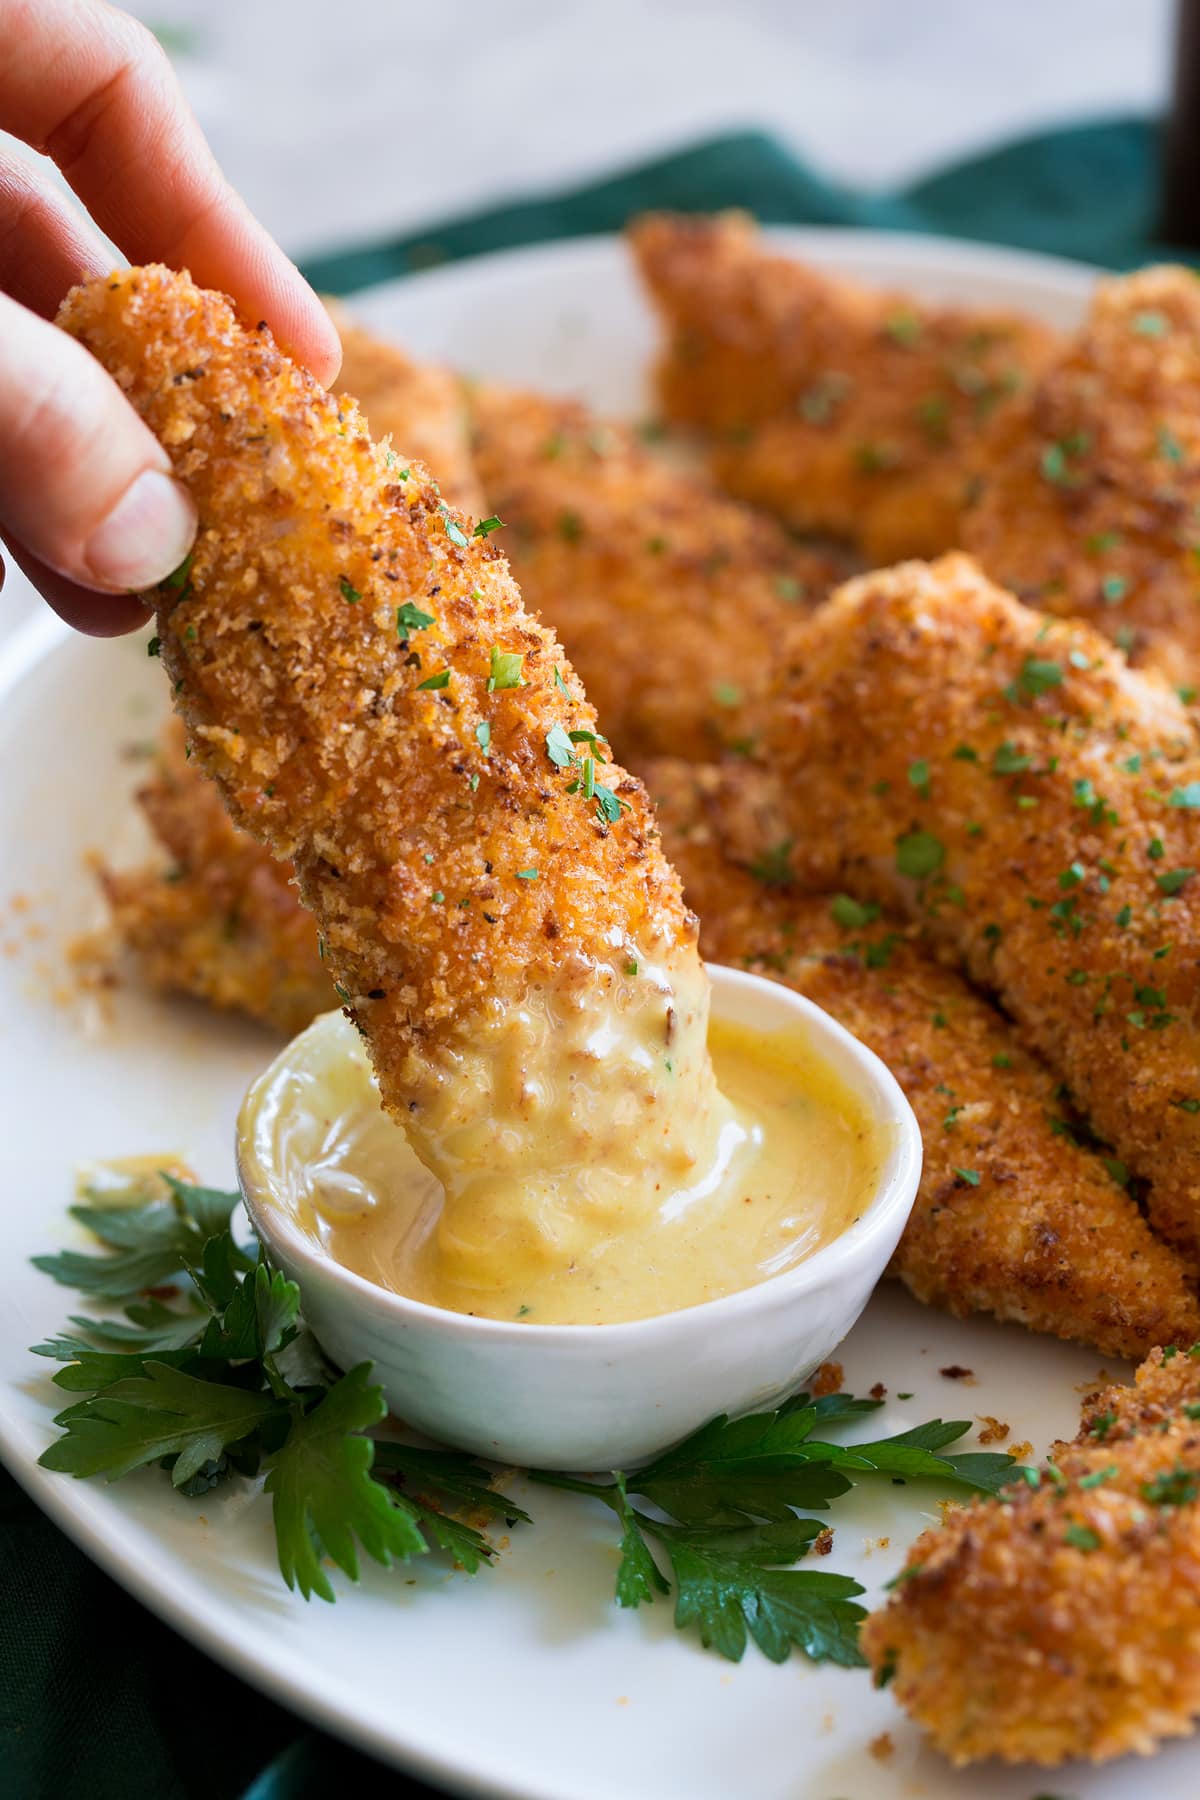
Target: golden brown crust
[
  {"x": 1044, "y": 1235},
  {"x": 1063, "y": 1620},
  {"x": 421, "y": 408},
  {"x": 413, "y": 841},
  {"x": 1031, "y": 802},
  {"x": 839, "y": 408},
  {"x": 1087, "y": 492},
  {"x": 222, "y": 919},
  {"x": 670, "y": 598}
]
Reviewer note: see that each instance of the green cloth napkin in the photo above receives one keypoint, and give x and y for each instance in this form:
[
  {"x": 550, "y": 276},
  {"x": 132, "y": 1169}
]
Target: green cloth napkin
[
  {"x": 1086, "y": 191},
  {"x": 97, "y": 1698}
]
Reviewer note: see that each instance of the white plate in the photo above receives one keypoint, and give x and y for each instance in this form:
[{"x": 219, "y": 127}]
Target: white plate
[{"x": 525, "y": 1681}]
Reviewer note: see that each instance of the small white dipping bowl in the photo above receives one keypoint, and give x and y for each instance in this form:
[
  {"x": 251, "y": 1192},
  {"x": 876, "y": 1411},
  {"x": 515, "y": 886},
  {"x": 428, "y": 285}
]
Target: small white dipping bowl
[{"x": 589, "y": 1397}]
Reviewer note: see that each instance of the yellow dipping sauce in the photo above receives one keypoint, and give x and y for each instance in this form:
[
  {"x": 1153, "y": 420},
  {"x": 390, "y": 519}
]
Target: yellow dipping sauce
[{"x": 794, "y": 1160}]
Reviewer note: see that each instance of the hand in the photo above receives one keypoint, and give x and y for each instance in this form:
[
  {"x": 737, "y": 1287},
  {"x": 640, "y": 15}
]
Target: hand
[{"x": 88, "y": 506}]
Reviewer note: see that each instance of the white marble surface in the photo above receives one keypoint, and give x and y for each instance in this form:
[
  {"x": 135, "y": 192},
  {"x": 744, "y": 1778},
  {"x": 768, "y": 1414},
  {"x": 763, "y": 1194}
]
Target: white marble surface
[{"x": 341, "y": 122}]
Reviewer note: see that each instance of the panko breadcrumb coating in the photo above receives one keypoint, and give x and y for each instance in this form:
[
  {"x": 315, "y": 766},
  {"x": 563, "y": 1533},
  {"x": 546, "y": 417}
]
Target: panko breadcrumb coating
[
  {"x": 840, "y": 408},
  {"x": 1008, "y": 782},
  {"x": 222, "y": 919},
  {"x": 419, "y": 407},
  {"x": 1012, "y": 1217},
  {"x": 356, "y": 671},
  {"x": 1063, "y": 1618},
  {"x": 670, "y": 598},
  {"x": 1087, "y": 494}
]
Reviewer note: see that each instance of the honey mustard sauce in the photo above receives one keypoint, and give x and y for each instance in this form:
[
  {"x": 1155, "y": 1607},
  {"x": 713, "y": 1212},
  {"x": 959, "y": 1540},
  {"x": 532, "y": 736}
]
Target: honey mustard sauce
[{"x": 602, "y": 1156}]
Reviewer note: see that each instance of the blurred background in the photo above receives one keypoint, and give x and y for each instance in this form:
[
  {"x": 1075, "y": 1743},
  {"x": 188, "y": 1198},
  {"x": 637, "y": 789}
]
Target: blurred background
[
  {"x": 340, "y": 122},
  {"x": 368, "y": 119}
]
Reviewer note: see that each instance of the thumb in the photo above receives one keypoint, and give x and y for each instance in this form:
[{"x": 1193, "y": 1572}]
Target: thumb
[{"x": 85, "y": 488}]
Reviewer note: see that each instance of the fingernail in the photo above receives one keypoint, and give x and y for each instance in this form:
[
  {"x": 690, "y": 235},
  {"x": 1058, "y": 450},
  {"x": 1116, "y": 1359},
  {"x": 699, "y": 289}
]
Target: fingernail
[{"x": 145, "y": 536}]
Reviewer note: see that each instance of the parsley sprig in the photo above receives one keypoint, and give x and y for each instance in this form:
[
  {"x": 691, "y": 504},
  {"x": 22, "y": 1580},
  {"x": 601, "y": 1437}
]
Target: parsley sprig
[
  {"x": 209, "y": 1372},
  {"x": 725, "y": 1518},
  {"x": 215, "y": 1375}
]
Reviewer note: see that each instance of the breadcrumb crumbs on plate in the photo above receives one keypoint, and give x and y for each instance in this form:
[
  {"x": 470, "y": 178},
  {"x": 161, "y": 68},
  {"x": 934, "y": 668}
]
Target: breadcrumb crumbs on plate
[
  {"x": 956, "y": 1372},
  {"x": 882, "y": 1748},
  {"x": 827, "y": 1380},
  {"x": 994, "y": 1430},
  {"x": 823, "y": 1542}
]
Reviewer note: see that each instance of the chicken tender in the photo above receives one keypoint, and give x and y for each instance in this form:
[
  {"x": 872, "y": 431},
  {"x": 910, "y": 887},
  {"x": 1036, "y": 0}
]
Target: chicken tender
[
  {"x": 1008, "y": 782},
  {"x": 840, "y": 408},
  {"x": 357, "y": 673},
  {"x": 1063, "y": 1618},
  {"x": 671, "y": 599},
  {"x": 1012, "y": 1217},
  {"x": 222, "y": 920},
  {"x": 421, "y": 408},
  {"x": 1087, "y": 495}
]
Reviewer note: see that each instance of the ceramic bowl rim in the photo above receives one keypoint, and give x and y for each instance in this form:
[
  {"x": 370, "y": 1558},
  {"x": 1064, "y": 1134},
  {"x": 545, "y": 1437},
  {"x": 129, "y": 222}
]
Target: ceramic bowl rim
[{"x": 864, "y": 1073}]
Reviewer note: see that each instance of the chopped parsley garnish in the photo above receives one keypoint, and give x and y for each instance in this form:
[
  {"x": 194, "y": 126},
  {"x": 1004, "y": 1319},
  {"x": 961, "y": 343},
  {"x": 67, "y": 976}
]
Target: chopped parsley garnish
[
  {"x": 725, "y": 693},
  {"x": 1169, "y": 446},
  {"x": 483, "y": 736},
  {"x": 774, "y": 867},
  {"x": 971, "y": 1177},
  {"x": 608, "y": 803},
  {"x": 560, "y": 684},
  {"x": 1172, "y": 1487},
  {"x": 1114, "y": 589},
  {"x": 1173, "y": 880},
  {"x": 918, "y": 776},
  {"x": 178, "y": 579},
  {"x": 904, "y": 328},
  {"x": 1150, "y": 323},
  {"x": 454, "y": 530},
  {"x": 154, "y": 647},
  {"x": 570, "y": 527},
  {"x": 527, "y": 874},
  {"x": 440, "y": 680},
  {"x": 485, "y": 527},
  {"x": 506, "y": 667},
  {"x": 816, "y": 405},
  {"x": 410, "y": 618},
  {"x": 1082, "y": 1537},
  {"x": 852, "y": 915},
  {"x": 1188, "y": 796},
  {"x": 559, "y": 748},
  {"x": 1039, "y": 675},
  {"x": 1008, "y": 760},
  {"x": 349, "y": 592},
  {"x": 1057, "y": 458},
  {"x": 919, "y": 854}
]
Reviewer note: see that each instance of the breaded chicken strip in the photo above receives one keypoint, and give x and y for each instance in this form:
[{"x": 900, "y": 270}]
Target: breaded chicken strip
[
  {"x": 222, "y": 920},
  {"x": 671, "y": 599},
  {"x": 418, "y": 406},
  {"x": 1011, "y": 784},
  {"x": 1063, "y": 1618},
  {"x": 1086, "y": 494},
  {"x": 1012, "y": 1218},
  {"x": 842, "y": 409},
  {"x": 357, "y": 673}
]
